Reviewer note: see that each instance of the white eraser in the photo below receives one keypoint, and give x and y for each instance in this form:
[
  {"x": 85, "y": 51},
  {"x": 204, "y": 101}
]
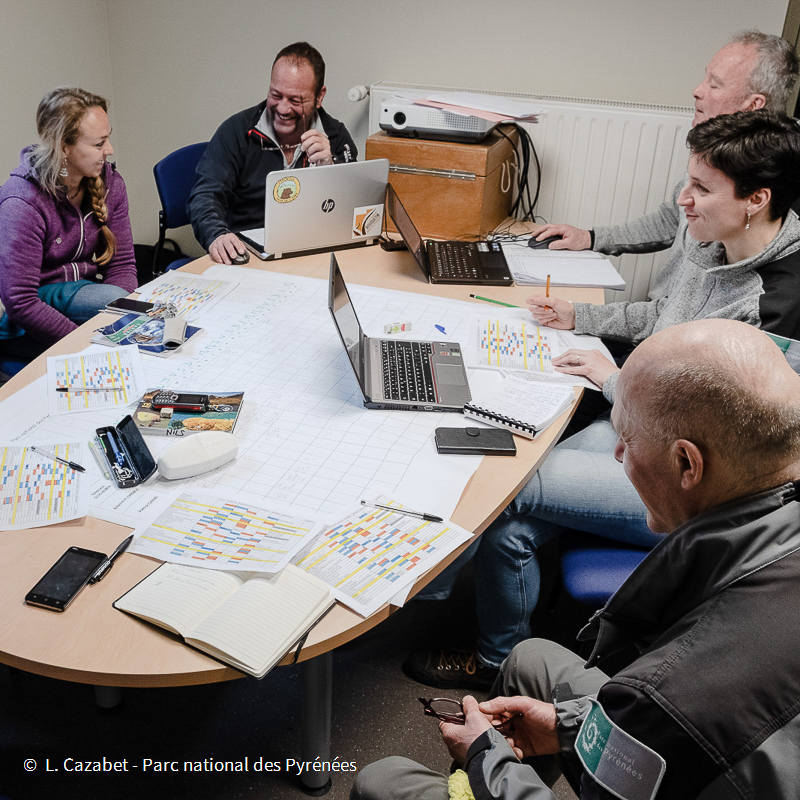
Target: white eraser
[{"x": 198, "y": 453}]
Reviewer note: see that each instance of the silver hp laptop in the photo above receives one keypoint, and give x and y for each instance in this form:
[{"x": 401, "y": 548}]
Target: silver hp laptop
[
  {"x": 450, "y": 261},
  {"x": 398, "y": 373},
  {"x": 320, "y": 207}
]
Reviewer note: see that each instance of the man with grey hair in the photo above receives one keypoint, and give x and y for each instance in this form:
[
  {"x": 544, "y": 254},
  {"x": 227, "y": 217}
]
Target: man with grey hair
[
  {"x": 754, "y": 70},
  {"x": 708, "y": 704}
]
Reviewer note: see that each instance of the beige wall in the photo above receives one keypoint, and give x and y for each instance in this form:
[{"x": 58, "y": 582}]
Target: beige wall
[
  {"x": 178, "y": 67},
  {"x": 47, "y": 43}
]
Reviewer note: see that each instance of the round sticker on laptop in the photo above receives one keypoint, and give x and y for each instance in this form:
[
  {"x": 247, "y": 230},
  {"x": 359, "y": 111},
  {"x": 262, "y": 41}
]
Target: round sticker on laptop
[{"x": 286, "y": 189}]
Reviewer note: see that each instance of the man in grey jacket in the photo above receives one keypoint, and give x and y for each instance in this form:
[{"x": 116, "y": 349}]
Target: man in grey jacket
[
  {"x": 754, "y": 70},
  {"x": 708, "y": 706}
]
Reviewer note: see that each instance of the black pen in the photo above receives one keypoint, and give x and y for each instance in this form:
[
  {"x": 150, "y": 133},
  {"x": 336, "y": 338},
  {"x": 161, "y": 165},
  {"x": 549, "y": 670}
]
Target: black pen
[
  {"x": 426, "y": 517},
  {"x": 58, "y": 458},
  {"x": 109, "y": 562}
]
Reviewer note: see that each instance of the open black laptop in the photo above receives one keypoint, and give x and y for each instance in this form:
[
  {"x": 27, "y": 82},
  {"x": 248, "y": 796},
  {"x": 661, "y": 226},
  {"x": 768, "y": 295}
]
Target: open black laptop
[
  {"x": 398, "y": 373},
  {"x": 450, "y": 261}
]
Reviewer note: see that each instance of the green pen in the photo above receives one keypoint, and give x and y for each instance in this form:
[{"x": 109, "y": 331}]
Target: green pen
[{"x": 496, "y": 302}]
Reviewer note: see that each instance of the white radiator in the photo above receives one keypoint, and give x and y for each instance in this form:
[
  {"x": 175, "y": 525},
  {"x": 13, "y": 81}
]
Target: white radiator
[{"x": 603, "y": 163}]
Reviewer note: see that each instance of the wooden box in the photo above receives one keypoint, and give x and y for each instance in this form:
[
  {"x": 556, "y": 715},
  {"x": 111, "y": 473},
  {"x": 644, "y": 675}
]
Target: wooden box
[{"x": 451, "y": 190}]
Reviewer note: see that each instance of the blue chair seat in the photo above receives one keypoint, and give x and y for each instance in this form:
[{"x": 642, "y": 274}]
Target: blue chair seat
[
  {"x": 10, "y": 366},
  {"x": 178, "y": 263},
  {"x": 593, "y": 568}
]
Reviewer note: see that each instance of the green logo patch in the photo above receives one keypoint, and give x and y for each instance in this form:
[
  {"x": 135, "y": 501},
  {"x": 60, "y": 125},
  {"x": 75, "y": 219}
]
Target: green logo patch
[{"x": 618, "y": 762}]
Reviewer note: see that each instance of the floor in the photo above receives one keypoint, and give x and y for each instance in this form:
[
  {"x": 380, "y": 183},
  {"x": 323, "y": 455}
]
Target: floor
[{"x": 375, "y": 714}]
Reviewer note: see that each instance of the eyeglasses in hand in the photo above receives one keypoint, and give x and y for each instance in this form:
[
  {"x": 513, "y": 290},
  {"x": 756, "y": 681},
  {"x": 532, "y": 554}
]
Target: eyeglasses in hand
[{"x": 445, "y": 709}]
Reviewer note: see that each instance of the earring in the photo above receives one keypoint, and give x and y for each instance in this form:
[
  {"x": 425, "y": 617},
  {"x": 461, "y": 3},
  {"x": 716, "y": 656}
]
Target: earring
[
  {"x": 747, "y": 227},
  {"x": 63, "y": 171}
]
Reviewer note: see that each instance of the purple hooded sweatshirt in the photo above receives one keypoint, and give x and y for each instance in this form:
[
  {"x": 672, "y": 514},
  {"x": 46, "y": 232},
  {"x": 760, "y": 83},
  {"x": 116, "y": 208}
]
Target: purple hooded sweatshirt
[{"x": 46, "y": 239}]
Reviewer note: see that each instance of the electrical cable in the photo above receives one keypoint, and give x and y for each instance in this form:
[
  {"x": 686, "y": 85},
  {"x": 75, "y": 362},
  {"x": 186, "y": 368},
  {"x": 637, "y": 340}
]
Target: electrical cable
[{"x": 526, "y": 148}]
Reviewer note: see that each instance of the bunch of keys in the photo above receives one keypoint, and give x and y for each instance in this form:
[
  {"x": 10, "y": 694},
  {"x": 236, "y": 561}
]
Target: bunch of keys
[{"x": 174, "y": 334}]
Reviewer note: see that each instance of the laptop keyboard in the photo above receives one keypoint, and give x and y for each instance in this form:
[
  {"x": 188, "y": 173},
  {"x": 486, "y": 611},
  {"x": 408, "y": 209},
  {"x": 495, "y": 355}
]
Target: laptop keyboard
[
  {"x": 456, "y": 260},
  {"x": 407, "y": 373}
]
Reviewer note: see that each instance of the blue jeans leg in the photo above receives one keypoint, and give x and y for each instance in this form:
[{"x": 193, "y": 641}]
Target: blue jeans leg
[
  {"x": 92, "y": 299},
  {"x": 579, "y": 487}
]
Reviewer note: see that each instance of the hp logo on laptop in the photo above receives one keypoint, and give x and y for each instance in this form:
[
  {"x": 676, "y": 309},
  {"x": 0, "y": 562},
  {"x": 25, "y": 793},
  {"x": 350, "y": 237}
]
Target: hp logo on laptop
[{"x": 328, "y": 205}]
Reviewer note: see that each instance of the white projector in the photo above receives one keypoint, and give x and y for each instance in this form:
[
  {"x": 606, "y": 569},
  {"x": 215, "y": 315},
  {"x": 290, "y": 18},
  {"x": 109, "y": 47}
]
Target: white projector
[{"x": 422, "y": 122}]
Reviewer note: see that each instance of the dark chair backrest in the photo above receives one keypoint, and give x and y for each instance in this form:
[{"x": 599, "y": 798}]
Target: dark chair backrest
[{"x": 175, "y": 176}]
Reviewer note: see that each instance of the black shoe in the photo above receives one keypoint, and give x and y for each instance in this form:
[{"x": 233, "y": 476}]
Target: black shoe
[{"x": 450, "y": 669}]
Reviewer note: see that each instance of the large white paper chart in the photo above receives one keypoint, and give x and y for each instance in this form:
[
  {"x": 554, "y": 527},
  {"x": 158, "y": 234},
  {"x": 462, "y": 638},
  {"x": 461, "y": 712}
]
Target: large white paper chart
[
  {"x": 305, "y": 438},
  {"x": 37, "y": 490},
  {"x": 98, "y": 378},
  {"x": 192, "y": 294},
  {"x": 369, "y": 555},
  {"x": 219, "y": 533}
]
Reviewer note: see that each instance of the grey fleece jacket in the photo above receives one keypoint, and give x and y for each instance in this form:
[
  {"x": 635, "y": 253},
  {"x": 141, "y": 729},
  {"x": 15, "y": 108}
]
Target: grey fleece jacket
[
  {"x": 656, "y": 231},
  {"x": 696, "y": 283}
]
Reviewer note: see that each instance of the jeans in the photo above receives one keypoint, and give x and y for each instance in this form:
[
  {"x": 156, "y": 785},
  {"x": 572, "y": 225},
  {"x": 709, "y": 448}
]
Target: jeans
[
  {"x": 579, "y": 487},
  {"x": 92, "y": 299},
  {"x": 78, "y": 304}
]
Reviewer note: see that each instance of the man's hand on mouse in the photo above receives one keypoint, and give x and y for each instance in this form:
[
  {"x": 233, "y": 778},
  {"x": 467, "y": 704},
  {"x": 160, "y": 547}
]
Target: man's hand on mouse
[
  {"x": 317, "y": 147},
  {"x": 226, "y": 247},
  {"x": 571, "y": 238}
]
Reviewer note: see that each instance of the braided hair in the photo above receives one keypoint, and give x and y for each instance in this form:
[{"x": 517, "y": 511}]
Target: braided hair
[{"x": 58, "y": 122}]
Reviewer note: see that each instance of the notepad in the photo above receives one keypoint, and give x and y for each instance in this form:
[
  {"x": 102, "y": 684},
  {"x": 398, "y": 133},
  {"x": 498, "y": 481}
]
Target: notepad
[
  {"x": 245, "y": 619},
  {"x": 522, "y": 407},
  {"x": 579, "y": 268}
]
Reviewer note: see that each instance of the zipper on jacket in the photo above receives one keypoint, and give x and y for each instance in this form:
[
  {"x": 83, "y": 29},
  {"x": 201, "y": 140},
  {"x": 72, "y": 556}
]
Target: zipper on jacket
[{"x": 83, "y": 233}]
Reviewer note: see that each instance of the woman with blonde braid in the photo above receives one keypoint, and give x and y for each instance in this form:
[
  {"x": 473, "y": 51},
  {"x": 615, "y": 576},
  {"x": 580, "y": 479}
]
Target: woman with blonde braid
[{"x": 66, "y": 248}]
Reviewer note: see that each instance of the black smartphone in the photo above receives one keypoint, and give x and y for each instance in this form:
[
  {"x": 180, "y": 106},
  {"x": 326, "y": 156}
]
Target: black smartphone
[
  {"x": 476, "y": 441},
  {"x": 125, "y": 305},
  {"x": 59, "y": 585}
]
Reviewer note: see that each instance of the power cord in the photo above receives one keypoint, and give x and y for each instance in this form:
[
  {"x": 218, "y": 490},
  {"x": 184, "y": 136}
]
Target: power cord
[{"x": 524, "y": 149}]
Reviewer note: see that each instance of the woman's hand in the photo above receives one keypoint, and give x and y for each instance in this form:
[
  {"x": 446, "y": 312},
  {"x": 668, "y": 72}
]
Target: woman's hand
[
  {"x": 552, "y": 312},
  {"x": 591, "y": 364}
]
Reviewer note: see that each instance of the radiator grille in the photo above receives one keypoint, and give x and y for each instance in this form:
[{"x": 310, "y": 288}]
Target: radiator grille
[{"x": 603, "y": 163}]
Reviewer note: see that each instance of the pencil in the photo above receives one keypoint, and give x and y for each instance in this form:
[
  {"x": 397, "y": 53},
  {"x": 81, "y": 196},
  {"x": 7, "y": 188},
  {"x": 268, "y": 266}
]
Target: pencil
[
  {"x": 547, "y": 287},
  {"x": 496, "y": 302}
]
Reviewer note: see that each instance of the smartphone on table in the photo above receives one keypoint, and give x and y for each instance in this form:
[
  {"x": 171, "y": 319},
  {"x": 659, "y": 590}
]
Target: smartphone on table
[
  {"x": 126, "y": 305},
  {"x": 62, "y": 582}
]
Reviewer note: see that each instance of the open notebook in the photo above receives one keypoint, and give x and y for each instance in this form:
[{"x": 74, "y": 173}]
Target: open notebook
[{"x": 246, "y": 619}]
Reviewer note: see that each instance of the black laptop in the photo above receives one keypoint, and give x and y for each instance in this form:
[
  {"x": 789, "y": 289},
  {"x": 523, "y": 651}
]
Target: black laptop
[{"x": 450, "y": 261}]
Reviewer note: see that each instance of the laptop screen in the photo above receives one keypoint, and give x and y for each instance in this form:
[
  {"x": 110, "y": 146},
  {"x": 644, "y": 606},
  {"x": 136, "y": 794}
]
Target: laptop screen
[
  {"x": 406, "y": 227},
  {"x": 345, "y": 319}
]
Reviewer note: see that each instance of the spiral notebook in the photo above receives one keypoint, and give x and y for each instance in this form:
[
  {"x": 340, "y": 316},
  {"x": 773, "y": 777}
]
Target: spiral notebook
[{"x": 523, "y": 407}]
